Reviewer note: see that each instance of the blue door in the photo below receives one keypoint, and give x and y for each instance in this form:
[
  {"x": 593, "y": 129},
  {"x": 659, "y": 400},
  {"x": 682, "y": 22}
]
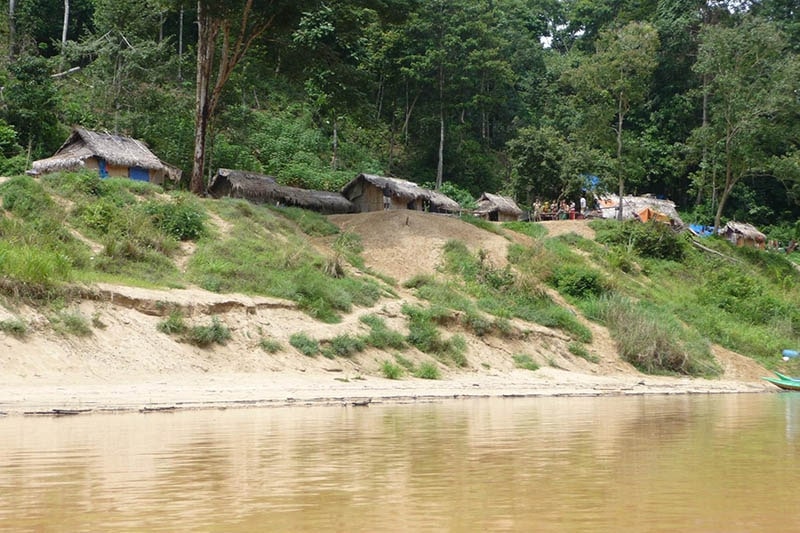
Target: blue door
[
  {"x": 101, "y": 164},
  {"x": 139, "y": 174}
]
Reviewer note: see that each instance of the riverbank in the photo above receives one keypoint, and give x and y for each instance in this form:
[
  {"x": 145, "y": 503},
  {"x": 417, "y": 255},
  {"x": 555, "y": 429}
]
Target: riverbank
[{"x": 279, "y": 389}]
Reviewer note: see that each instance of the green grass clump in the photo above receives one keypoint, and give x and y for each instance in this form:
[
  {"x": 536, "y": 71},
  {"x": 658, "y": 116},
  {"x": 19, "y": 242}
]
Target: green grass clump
[
  {"x": 14, "y": 326},
  {"x": 652, "y": 239},
  {"x": 651, "y": 340},
  {"x": 531, "y": 229},
  {"x": 426, "y": 337},
  {"x": 380, "y": 336},
  {"x": 216, "y": 332},
  {"x": 270, "y": 345},
  {"x": 346, "y": 345},
  {"x": 492, "y": 227},
  {"x": 391, "y": 370},
  {"x": 578, "y": 281},
  {"x": 525, "y": 361},
  {"x": 576, "y": 348},
  {"x": 71, "y": 323},
  {"x": 428, "y": 370},
  {"x": 173, "y": 324},
  {"x": 182, "y": 219},
  {"x": 310, "y": 222},
  {"x": 305, "y": 344}
]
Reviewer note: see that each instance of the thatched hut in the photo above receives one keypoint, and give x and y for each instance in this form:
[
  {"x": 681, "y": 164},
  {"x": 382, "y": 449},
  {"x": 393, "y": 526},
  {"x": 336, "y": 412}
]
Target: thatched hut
[
  {"x": 110, "y": 155},
  {"x": 640, "y": 208},
  {"x": 369, "y": 192},
  {"x": 497, "y": 208},
  {"x": 261, "y": 189},
  {"x": 742, "y": 234}
]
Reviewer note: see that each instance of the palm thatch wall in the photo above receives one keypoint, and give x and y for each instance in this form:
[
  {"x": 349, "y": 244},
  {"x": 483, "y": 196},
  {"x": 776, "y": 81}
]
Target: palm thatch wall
[
  {"x": 259, "y": 188},
  {"x": 116, "y": 153},
  {"x": 369, "y": 192},
  {"x": 633, "y": 205},
  {"x": 497, "y": 208}
]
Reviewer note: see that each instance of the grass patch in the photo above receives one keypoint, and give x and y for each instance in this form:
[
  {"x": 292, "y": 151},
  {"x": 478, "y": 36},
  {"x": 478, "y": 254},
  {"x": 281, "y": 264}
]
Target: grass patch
[
  {"x": 525, "y": 361},
  {"x": 651, "y": 340},
  {"x": 270, "y": 346},
  {"x": 71, "y": 323},
  {"x": 391, "y": 370},
  {"x": 380, "y": 336},
  {"x": 173, "y": 324},
  {"x": 492, "y": 227},
  {"x": 578, "y": 349},
  {"x": 428, "y": 370},
  {"x": 14, "y": 326},
  {"x": 203, "y": 336},
  {"x": 533, "y": 230},
  {"x": 305, "y": 344},
  {"x": 346, "y": 345}
]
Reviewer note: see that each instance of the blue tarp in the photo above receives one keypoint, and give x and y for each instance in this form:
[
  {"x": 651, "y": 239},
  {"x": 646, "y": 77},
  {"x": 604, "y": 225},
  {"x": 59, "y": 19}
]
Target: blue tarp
[{"x": 703, "y": 231}]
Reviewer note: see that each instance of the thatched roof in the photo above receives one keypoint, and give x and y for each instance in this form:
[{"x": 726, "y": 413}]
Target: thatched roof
[
  {"x": 264, "y": 189},
  {"x": 489, "y": 202},
  {"x": 405, "y": 190},
  {"x": 745, "y": 230},
  {"x": 633, "y": 205},
  {"x": 117, "y": 150}
]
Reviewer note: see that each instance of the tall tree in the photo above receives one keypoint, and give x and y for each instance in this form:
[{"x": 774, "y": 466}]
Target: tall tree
[
  {"x": 611, "y": 81},
  {"x": 226, "y": 31},
  {"x": 752, "y": 91}
]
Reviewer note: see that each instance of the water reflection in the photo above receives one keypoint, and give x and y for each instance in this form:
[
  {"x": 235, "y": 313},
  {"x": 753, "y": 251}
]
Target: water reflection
[{"x": 546, "y": 464}]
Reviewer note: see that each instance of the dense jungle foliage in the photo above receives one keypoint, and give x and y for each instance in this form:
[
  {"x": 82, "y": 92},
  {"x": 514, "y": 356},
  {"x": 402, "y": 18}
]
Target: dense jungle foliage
[{"x": 693, "y": 100}]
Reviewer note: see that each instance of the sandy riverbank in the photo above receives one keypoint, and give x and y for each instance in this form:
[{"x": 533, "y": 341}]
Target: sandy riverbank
[{"x": 277, "y": 389}]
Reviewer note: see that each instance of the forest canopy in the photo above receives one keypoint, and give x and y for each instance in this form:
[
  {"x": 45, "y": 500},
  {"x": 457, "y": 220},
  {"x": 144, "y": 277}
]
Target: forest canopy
[{"x": 692, "y": 100}]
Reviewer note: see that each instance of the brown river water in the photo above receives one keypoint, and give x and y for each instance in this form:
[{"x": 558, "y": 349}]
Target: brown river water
[{"x": 724, "y": 463}]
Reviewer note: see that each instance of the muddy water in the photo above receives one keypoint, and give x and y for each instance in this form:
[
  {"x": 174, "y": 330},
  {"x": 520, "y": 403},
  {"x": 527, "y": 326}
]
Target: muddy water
[{"x": 689, "y": 463}]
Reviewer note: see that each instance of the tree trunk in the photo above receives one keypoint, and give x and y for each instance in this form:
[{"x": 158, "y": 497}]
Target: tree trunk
[
  {"x": 64, "y": 29},
  {"x": 335, "y": 157},
  {"x": 205, "y": 59},
  {"x": 12, "y": 29},
  {"x": 620, "y": 120},
  {"x": 180, "y": 45},
  {"x": 440, "y": 162}
]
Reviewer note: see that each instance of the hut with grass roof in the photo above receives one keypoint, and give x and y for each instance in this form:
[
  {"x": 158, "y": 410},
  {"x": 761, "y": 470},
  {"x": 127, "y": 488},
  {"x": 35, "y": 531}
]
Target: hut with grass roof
[
  {"x": 110, "y": 155},
  {"x": 369, "y": 192},
  {"x": 262, "y": 189},
  {"x": 741, "y": 234},
  {"x": 497, "y": 208}
]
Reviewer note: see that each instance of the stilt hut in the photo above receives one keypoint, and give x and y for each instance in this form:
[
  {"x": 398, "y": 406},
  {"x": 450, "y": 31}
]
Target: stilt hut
[
  {"x": 110, "y": 155},
  {"x": 369, "y": 192},
  {"x": 497, "y": 208},
  {"x": 742, "y": 234}
]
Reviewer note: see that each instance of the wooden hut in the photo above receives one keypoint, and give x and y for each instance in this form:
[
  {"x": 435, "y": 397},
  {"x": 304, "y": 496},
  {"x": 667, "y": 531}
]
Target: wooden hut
[
  {"x": 742, "y": 234},
  {"x": 497, "y": 208},
  {"x": 110, "y": 155},
  {"x": 369, "y": 192},
  {"x": 261, "y": 189}
]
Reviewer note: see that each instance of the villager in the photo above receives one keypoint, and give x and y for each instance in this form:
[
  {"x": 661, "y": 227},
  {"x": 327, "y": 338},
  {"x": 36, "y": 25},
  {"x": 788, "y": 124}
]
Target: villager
[{"x": 583, "y": 204}]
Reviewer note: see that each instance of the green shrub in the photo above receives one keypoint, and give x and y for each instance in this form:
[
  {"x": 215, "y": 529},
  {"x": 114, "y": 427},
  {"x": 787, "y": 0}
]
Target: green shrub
[
  {"x": 216, "y": 332},
  {"x": 183, "y": 219},
  {"x": 346, "y": 345},
  {"x": 270, "y": 345},
  {"x": 25, "y": 197},
  {"x": 428, "y": 370},
  {"x": 578, "y": 281},
  {"x": 653, "y": 340},
  {"x": 531, "y": 229},
  {"x": 526, "y": 362},
  {"x": 652, "y": 239},
  {"x": 391, "y": 370},
  {"x": 305, "y": 344},
  {"x": 172, "y": 324},
  {"x": 310, "y": 222},
  {"x": 580, "y": 350},
  {"x": 14, "y": 326},
  {"x": 72, "y": 323},
  {"x": 380, "y": 336}
]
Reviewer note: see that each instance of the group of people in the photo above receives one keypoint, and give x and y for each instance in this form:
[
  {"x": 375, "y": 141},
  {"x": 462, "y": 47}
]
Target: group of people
[{"x": 558, "y": 210}]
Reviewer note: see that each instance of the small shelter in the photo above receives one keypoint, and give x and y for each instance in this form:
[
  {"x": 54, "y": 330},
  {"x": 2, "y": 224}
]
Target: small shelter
[
  {"x": 111, "y": 155},
  {"x": 497, "y": 208},
  {"x": 642, "y": 208},
  {"x": 369, "y": 192},
  {"x": 261, "y": 189},
  {"x": 741, "y": 234}
]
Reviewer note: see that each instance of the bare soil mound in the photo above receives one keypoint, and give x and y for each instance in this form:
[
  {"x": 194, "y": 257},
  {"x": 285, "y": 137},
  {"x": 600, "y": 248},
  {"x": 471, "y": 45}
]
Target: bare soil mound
[{"x": 403, "y": 244}]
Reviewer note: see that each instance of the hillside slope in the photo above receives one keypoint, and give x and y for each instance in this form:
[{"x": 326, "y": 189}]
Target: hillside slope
[{"x": 126, "y": 362}]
